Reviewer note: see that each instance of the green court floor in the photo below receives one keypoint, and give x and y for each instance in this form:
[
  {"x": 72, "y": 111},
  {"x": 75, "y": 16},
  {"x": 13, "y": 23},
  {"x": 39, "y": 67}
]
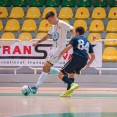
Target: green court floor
[
  {"x": 72, "y": 115},
  {"x": 57, "y": 95}
]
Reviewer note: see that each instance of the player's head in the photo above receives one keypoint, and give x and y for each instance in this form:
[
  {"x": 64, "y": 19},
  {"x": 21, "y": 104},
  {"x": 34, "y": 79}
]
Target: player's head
[
  {"x": 79, "y": 31},
  {"x": 51, "y": 17}
]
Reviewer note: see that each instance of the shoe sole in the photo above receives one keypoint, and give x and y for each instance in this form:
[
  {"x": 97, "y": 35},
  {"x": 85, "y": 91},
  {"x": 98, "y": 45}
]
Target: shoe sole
[{"x": 65, "y": 96}]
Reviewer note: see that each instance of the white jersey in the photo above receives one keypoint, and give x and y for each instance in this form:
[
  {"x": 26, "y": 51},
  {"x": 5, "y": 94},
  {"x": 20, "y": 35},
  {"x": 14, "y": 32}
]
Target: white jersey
[{"x": 58, "y": 33}]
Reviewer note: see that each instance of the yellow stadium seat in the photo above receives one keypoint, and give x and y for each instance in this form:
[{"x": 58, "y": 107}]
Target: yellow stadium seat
[
  {"x": 111, "y": 26},
  {"x": 109, "y": 54},
  {"x": 1, "y": 25},
  {"x": 44, "y": 26},
  {"x": 17, "y": 12},
  {"x": 25, "y": 37},
  {"x": 96, "y": 26},
  {"x": 93, "y": 37},
  {"x": 66, "y": 13},
  {"x": 46, "y": 10},
  {"x": 12, "y": 25},
  {"x": 8, "y": 35},
  {"x": 99, "y": 13},
  {"x": 111, "y": 36},
  {"x": 113, "y": 13},
  {"x": 66, "y": 21},
  {"x": 82, "y": 13},
  {"x": 29, "y": 25},
  {"x": 40, "y": 35},
  {"x": 33, "y": 13},
  {"x": 80, "y": 23},
  {"x": 3, "y": 12}
]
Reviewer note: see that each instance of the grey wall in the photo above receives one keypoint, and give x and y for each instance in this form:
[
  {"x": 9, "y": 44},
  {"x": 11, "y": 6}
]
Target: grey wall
[{"x": 86, "y": 81}]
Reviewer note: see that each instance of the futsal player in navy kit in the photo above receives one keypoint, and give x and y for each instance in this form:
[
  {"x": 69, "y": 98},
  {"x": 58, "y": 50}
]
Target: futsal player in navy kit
[{"x": 81, "y": 48}]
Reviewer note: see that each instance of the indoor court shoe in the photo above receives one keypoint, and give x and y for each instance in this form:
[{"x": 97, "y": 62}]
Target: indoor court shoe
[
  {"x": 65, "y": 94},
  {"x": 72, "y": 88},
  {"x": 33, "y": 89}
]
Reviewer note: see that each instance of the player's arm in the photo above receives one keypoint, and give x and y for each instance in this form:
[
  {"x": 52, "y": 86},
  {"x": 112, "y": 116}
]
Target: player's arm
[
  {"x": 41, "y": 40},
  {"x": 91, "y": 52},
  {"x": 91, "y": 60},
  {"x": 65, "y": 50},
  {"x": 71, "y": 45},
  {"x": 44, "y": 38},
  {"x": 68, "y": 27}
]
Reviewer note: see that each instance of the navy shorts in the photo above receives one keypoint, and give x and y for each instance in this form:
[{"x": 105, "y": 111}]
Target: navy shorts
[{"x": 74, "y": 65}]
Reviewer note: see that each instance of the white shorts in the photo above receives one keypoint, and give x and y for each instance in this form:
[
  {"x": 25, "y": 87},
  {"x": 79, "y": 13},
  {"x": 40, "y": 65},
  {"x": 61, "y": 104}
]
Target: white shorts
[{"x": 50, "y": 58}]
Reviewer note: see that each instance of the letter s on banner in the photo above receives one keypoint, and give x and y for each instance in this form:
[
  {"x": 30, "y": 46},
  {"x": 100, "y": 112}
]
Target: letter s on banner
[{"x": 41, "y": 51}]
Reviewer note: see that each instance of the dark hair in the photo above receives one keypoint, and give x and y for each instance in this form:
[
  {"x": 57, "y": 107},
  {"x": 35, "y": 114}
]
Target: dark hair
[
  {"x": 80, "y": 30},
  {"x": 49, "y": 14}
]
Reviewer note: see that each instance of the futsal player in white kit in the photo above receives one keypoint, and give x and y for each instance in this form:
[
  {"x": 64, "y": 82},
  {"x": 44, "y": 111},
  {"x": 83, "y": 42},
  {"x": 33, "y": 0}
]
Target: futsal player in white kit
[{"x": 58, "y": 32}]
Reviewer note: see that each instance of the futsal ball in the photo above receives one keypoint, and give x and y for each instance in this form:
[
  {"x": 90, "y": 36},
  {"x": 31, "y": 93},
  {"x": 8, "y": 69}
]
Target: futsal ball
[{"x": 25, "y": 90}]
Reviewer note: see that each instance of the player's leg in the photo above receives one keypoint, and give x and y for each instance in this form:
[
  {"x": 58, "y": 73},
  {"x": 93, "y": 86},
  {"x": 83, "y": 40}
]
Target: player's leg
[
  {"x": 68, "y": 69},
  {"x": 64, "y": 94},
  {"x": 54, "y": 61},
  {"x": 73, "y": 86},
  {"x": 54, "y": 71},
  {"x": 71, "y": 77},
  {"x": 80, "y": 63},
  {"x": 46, "y": 68},
  {"x": 41, "y": 78},
  {"x": 44, "y": 74},
  {"x": 73, "y": 66}
]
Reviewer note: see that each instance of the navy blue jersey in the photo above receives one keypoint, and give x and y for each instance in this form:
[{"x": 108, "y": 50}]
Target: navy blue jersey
[{"x": 81, "y": 46}]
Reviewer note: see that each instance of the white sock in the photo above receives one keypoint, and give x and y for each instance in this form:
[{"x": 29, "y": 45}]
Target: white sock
[
  {"x": 41, "y": 79},
  {"x": 54, "y": 71}
]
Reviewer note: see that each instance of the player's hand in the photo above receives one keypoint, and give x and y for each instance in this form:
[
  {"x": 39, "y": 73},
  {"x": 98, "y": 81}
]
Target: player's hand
[
  {"x": 88, "y": 64},
  {"x": 35, "y": 44}
]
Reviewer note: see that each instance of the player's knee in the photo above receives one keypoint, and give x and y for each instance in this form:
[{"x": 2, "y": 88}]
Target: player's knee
[
  {"x": 71, "y": 75},
  {"x": 46, "y": 68},
  {"x": 60, "y": 75}
]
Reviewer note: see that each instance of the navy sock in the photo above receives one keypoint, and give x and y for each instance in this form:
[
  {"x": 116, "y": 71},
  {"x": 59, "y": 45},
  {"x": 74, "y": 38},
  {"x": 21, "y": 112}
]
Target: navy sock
[
  {"x": 72, "y": 79},
  {"x": 67, "y": 80}
]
